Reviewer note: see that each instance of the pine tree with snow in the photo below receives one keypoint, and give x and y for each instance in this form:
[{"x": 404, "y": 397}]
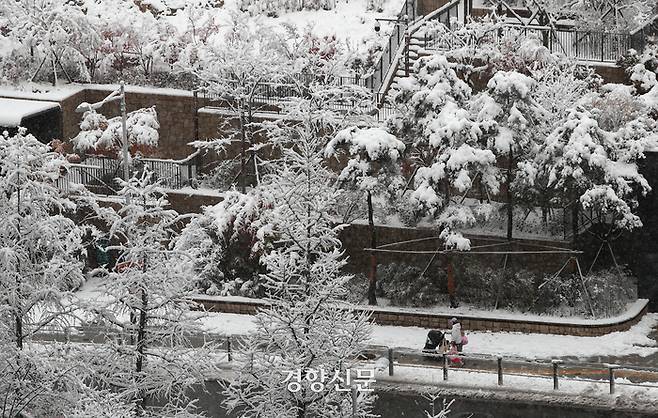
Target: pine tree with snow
[
  {"x": 373, "y": 167},
  {"x": 598, "y": 168},
  {"x": 295, "y": 361},
  {"x": 509, "y": 113},
  {"x": 146, "y": 301},
  {"x": 449, "y": 147}
]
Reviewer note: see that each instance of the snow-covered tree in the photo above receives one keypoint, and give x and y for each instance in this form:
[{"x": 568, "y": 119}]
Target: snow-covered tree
[
  {"x": 40, "y": 261},
  {"x": 39, "y": 246},
  {"x": 597, "y": 167},
  {"x": 305, "y": 332},
  {"x": 236, "y": 68},
  {"x": 102, "y": 134},
  {"x": 52, "y": 32},
  {"x": 509, "y": 113},
  {"x": 609, "y": 15},
  {"x": 225, "y": 246},
  {"x": 642, "y": 67},
  {"x": 374, "y": 168},
  {"x": 479, "y": 49},
  {"x": 148, "y": 299},
  {"x": 449, "y": 146}
]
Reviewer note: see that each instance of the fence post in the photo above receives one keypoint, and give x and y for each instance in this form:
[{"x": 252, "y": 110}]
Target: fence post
[
  {"x": 556, "y": 364},
  {"x": 611, "y": 377},
  {"x": 390, "y": 362},
  {"x": 500, "y": 371},
  {"x": 445, "y": 367},
  {"x": 355, "y": 409},
  {"x": 228, "y": 348}
]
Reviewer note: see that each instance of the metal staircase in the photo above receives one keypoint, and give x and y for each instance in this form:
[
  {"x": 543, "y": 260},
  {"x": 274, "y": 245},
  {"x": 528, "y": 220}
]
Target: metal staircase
[{"x": 406, "y": 43}]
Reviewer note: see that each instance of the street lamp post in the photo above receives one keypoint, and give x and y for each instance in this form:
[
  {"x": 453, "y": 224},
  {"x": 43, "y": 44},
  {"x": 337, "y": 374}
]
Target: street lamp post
[{"x": 118, "y": 94}]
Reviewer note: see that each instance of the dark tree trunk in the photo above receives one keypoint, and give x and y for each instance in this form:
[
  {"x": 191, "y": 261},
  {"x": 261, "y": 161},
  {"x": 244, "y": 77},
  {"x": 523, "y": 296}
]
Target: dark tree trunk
[
  {"x": 574, "y": 219},
  {"x": 372, "y": 286},
  {"x": 510, "y": 206},
  {"x": 19, "y": 324},
  {"x": 141, "y": 334},
  {"x": 243, "y": 154}
]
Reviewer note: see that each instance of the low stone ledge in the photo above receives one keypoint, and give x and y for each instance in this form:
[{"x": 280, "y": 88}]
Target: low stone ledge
[{"x": 384, "y": 316}]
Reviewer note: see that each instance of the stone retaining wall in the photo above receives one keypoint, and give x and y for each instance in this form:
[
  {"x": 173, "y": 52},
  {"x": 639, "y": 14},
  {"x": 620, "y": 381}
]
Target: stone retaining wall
[{"x": 425, "y": 320}]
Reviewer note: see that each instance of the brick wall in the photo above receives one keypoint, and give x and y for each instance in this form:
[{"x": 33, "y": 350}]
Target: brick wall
[
  {"x": 175, "y": 114},
  {"x": 425, "y": 320},
  {"x": 190, "y": 203}
]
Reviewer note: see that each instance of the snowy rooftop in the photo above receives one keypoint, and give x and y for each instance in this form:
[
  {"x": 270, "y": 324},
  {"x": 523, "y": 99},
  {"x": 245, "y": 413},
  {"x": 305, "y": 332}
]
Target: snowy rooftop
[{"x": 13, "y": 111}]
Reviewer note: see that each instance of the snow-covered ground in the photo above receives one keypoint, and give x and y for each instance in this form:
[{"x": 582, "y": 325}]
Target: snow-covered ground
[
  {"x": 635, "y": 341},
  {"x": 530, "y": 388},
  {"x": 350, "y": 22}
]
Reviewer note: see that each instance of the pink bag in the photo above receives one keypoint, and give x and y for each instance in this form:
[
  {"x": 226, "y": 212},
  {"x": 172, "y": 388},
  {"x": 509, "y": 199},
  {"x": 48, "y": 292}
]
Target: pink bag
[{"x": 464, "y": 340}]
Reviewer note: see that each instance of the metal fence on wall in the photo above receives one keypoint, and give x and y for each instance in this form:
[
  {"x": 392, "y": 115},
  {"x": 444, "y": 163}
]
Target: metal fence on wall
[
  {"x": 604, "y": 47},
  {"x": 99, "y": 174}
]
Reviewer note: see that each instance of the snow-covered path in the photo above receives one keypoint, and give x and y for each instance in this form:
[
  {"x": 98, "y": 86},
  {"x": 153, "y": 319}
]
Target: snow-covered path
[{"x": 634, "y": 346}]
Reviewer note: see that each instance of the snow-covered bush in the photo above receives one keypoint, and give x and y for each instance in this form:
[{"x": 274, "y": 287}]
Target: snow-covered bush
[
  {"x": 642, "y": 67},
  {"x": 376, "y": 5},
  {"x": 226, "y": 246},
  {"x": 274, "y": 7},
  {"x": 101, "y": 134}
]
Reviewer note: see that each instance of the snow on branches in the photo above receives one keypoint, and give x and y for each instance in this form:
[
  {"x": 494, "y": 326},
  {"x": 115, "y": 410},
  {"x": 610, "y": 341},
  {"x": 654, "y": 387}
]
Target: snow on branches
[
  {"x": 305, "y": 328},
  {"x": 599, "y": 167},
  {"x": 449, "y": 144},
  {"x": 225, "y": 244},
  {"x": 366, "y": 148},
  {"x": 272, "y": 7},
  {"x": 148, "y": 298},
  {"x": 97, "y": 132}
]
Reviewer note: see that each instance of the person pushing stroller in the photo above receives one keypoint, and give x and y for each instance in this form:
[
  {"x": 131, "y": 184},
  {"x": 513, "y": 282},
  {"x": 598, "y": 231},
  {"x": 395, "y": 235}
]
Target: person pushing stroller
[{"x": 452, "y": 342}]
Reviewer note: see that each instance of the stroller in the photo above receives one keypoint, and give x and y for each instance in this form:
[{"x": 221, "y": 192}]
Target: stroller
[
  {"x": 434, "y": 339},
  {"x": 436, "y": 343}
]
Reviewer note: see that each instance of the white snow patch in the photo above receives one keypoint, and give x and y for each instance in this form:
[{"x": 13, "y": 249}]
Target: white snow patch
[{"x": 13, "y": 111}]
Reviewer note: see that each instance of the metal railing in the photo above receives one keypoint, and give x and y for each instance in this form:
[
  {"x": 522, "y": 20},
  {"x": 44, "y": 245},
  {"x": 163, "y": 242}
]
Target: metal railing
[
  {"x": 580, "y": 45},
  {"x": 411, "y": 11},
  {"x": 583, "y": 45},
  {"x": 555, "y": 369},
  {"x": 99, "y": 173}
]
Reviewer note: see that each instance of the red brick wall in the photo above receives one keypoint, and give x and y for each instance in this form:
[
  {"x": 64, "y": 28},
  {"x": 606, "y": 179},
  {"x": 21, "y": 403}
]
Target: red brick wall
[{"x": 175, "y": 114}]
